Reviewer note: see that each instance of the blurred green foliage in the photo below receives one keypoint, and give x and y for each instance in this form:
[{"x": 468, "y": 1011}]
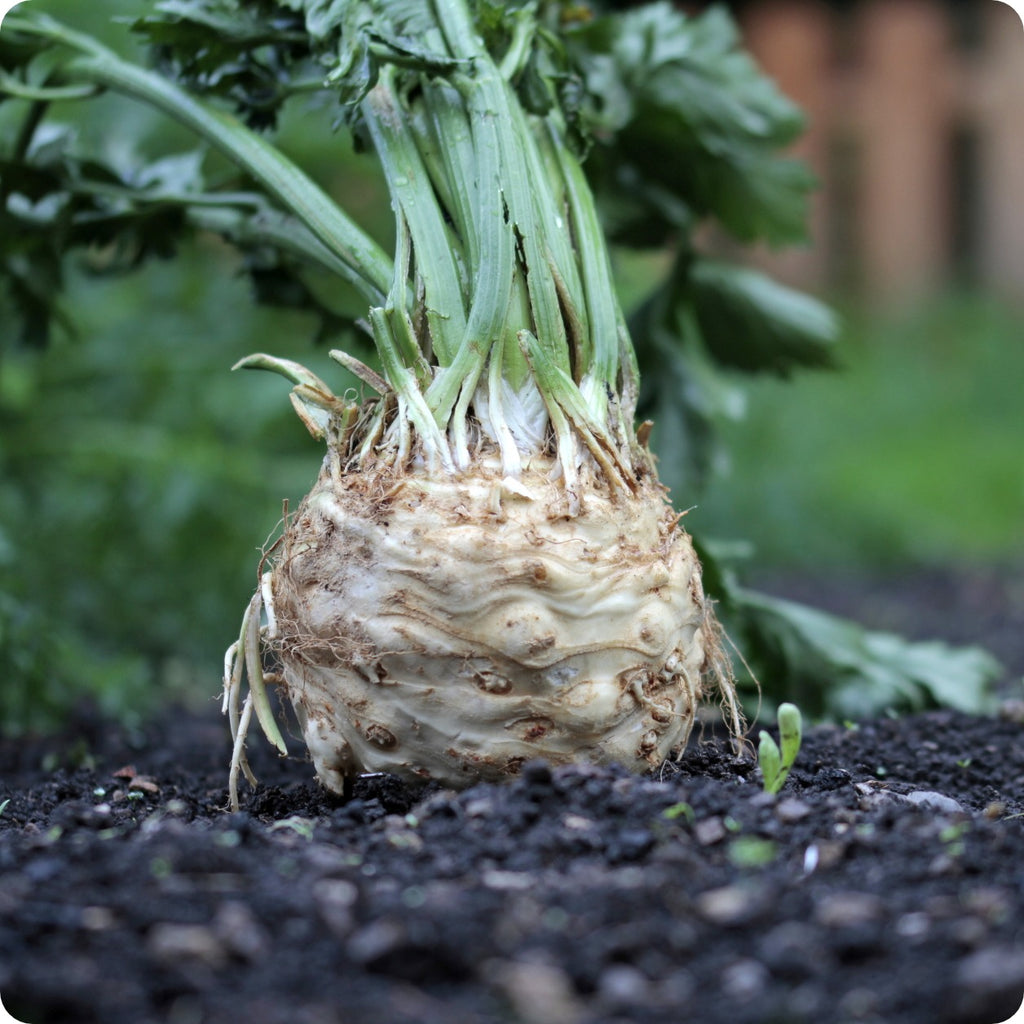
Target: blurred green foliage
[
  {"x": 912, "y": 454},
  {"x": 140, "y": 479}
]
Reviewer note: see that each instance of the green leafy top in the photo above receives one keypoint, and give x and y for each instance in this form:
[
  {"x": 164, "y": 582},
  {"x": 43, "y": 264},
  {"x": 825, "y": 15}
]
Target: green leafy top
[
  {"x": 517, "y": 140},
  {"x": 687, "y": 127}
]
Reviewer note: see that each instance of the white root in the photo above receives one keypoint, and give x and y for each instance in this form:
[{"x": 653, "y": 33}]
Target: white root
[
  {"x": 267, "y": 593},
  {"x": 230, "y": 660},
  {"x": 238, "y": 758},
  {"x": 233, "y": 662},
  {"x": 245, "y": 653}
]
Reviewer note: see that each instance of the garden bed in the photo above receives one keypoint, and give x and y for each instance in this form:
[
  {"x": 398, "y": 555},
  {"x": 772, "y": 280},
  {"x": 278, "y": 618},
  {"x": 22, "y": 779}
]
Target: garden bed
[{"x": 883, "y": 884}]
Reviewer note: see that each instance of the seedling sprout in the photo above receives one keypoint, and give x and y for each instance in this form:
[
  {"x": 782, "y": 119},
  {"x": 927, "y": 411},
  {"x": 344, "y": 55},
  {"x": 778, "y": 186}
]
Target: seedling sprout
[{"x": 775, "y": 764}]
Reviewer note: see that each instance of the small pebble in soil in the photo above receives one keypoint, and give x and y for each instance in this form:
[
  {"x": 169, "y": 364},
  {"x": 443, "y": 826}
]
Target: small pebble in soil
[
  {"x": 709, "y": 831},
  {"x": 843, "y": 909},
  {"x": 537, "y": 991},
  {"x": 934, "y": 801},
  {"x": 172, "y": 943},
  {"x": 791, "y": 810},
  {"x": 732, "y": 905},
  {"x": 621, "y": 986}
]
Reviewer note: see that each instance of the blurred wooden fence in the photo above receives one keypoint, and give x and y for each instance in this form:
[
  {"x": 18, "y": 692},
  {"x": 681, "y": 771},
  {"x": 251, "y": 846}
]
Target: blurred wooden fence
[{"x": 916, "y": 132}]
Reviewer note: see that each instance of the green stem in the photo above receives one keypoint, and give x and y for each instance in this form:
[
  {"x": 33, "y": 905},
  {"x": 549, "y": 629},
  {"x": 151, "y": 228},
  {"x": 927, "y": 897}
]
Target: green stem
[
  {"x": 414, "y": 199},
  {"x": 527, "y": 206},
  {"x": 518, "y": 52},
  {"x": 602, "y": 359},
  {"x": 46, "y": 94},
  {"x": 491, "y": 255},
  {"x": 561, "y": 392},
  {"x": 246, "y": 218},
  {"x": 401, "y": 378}
]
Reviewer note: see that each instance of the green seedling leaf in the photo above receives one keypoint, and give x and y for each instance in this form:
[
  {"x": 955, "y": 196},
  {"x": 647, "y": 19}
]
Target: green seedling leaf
[
  {"x": 775, "y": 764},
  {"x": 790, "y": 733},
  {"x": 679, "y": 810},
  {"x": 770, "y": 760},
  {"x": 301, "y": 826},
  {"x": 751, "y": 852},
  {"x": 954, "y": 833},
  {"x": 160, "y": 867}
]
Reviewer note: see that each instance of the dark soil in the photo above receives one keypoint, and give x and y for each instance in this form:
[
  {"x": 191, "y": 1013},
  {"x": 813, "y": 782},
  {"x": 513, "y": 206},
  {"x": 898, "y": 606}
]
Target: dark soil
[{"x": 884, "y": 884}]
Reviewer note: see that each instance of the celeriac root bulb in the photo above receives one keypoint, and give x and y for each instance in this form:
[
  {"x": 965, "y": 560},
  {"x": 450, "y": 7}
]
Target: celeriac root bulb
[
  {"x": 453, "y": 628},
  {"x": 487, "y": 570}
]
